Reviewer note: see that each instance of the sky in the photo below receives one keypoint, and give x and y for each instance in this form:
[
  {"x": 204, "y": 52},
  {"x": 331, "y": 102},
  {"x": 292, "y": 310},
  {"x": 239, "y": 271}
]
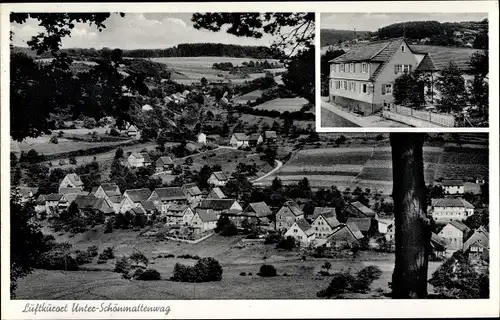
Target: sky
[
  {"x": 374, "y": 21},
  {"x": 137, "y": 31}
]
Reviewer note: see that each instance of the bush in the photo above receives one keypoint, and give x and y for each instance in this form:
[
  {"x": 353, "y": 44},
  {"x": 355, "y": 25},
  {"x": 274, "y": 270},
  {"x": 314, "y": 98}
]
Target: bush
[
  {"x": 267, "y": 270},
  {"x": 54, "y": 140},
  {"x": 340, "y": 283},
  {"x": 57, "y": 260},
  {"x": 229, "y": 230},
  {"x": 72, "y": 160},
  {"x": 83, "y": 257},
  {"x": 89, "y": 123},
  {"x": 122, "y": 265},
  {"x": 60, "y": 134},
  {"x": 147, "y": 275},
  {"x": 243, "y": 273},
  {"x": 370, "y": 272},
  {"x": 107, "y": 253},
  {"x": 113, "y": 132},
  {"x": 205, "y": 270},
  {"x": 139, "y": 257},
  {"x": 93, "y": 251},
  {"x": 273, "y": 238},
  {"x": 108, "y": 227},
  {"x": 287, "y": 244}
]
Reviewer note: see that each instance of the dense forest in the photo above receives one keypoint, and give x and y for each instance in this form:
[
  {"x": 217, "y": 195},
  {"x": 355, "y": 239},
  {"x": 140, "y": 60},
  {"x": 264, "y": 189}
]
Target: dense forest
[
  {"x": 332, "y": 37},
  {"x": 181, "y": 50}
]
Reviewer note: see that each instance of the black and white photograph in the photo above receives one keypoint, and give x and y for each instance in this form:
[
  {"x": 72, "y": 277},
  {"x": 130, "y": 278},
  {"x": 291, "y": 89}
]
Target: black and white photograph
[
  {"x": 402, "y": 70},
  {"x": 249, "y": 160}
]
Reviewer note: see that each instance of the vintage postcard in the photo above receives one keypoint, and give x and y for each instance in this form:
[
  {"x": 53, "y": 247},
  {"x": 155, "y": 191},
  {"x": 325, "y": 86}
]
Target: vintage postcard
[{"x": 255, "y": 160}]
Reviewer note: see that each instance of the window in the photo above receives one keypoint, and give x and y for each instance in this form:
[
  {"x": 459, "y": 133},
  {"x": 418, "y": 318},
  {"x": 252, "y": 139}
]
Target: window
[
  {"x": 402, "y": 68},
  {"x": 364, "y": 67},
  {"x": 345, "y": 85},
  {"x": 337, "y": 84},
  {"x": 365, "y": 88},
  {"x": 351, "y": 67},
  {"x": 402, "y": 48},
  {"x": 341, "y": 67},
  {"x": 295, "y": 230},
  {"x": 387, "y": 89}
]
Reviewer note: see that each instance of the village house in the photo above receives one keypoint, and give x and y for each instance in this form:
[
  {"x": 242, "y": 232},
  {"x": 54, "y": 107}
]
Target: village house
[
  {"x": 71, "y": 180},
  {"x": 218, "y": 179},
  {"x": 255, "y": 213},
  {"x": 324, "y": 224},
  {"x": 138, "y": 159},
  {"x": 239, "y": 140},
  {"x": 216, "y": 193},
  {"x": 367, "y": 226},
  {"x": 391, "y": 232},
  {"x": 87, "y": 203},
  {"x": 316, "y": 212},
  {"x": 449, "y": 209},
  {"x": 54, "y": 203},
  {"x": 120, "y": 204},
  {"x": 302, "y": 232},
  {"x": 170, "y": 196},
  {"x": 193, "y": 147},
  {"x": 144, "y": 194},
  {"x": 202, "y": 138},
  {"x": 363, "y": 78},
  {"x": 453, "y": 186},
  {"x": 455, "y": 232},
  {"x": 439, "y": 245},
  {"x": 149, "y": 208},
  {"x": 106, "y": 190},
  {"x": 358, "y": 210},
  {"x": 133, "y": 132},
  {"x": 253, "y": 139},
  {"x": 343, "y": 236},
  {"x": 267, "y": 136},
  {"x": 164, "y": 164},
  {"x": 221, "y": 206},
  {"x": 287, "y": 215},
  {"x": 478, "y": 245},
  {"x": 203, "y": 221},
  {"x": 178, "y": 215},
  {"x": 383, "y": 225},
  {"x": 192, "y": 192}
]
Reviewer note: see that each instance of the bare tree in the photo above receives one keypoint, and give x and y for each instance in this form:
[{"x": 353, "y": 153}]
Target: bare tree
[{"x": 413, "y": 231}]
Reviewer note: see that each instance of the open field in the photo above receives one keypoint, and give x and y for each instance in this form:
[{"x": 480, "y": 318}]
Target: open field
[
  {"x": 43, "y": 146},
  {"x": 235, "y": 257},
  {"x": 227, "y": 158},
  {"x": 187, "y": 70},
  {"x": 251, "y": 96},
  {"x": 371, "y": 167},
  {"x": 282, "y": 105}
]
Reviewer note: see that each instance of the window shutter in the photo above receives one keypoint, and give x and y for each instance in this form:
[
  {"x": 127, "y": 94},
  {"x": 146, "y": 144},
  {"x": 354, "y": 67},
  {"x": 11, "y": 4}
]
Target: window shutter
[
  {"x": 409, "y": 68},
  {"x": 395, "y": 69},
  {"x": 383, "y": 89}
]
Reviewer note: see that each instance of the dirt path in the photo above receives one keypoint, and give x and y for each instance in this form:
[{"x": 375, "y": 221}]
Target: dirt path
[{"x": 279, "y": 164}]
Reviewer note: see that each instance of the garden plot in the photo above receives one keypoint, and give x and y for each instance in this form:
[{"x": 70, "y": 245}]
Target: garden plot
[{"x": 282, "y": 105}]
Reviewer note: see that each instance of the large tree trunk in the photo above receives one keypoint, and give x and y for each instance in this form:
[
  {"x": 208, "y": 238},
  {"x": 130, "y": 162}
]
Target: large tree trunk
[{"x": 413, "y": 232}]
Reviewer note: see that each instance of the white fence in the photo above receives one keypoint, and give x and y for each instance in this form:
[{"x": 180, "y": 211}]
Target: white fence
[{"x": 444, "y": 120}]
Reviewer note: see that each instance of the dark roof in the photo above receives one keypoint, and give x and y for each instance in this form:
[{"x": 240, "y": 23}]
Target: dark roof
[
  {"x": 294, "y": 208},
  {"x": 438, "y": 242},
  {"x": 116, "y": 199},
  {"x": 216, "y": 193},
  {"x": 305, "y": 226},
  {"x": 206, "y": 216},
  {"x": 138, "y": 210},
  {"x": 459, "y": 225},
  {"x": 193, "y": 146},
  {"x": 70, "y": 190},
  {"x": 91, "y": 202},
  {"x": 146, "y": 157},
  {"x": 427, "y": 64},
  {"x": 216, "y": 204},
  {"x": 363, "y": 209},
  {"x": 109, "y": 187},
  {"x": 240, "y": 136},
  {"x": 479, "y": 238},
  {"x": 54, "y": 197},
  {"x": 138, "y": 195},
  {"x": 363, "y": 224},
  {"x": 170, "y": 193},
  {"x": 442, "y": 56},
  {"x": 326, "y": 211},
  {"x": 253, "y": 137},
  {"x": 259, "y": 208},
  {"x": 377, "y": 51},
  {"x": 452, "y": 183},
  {"x": 41, "y": 199},
  {"x": 191, "y": 189},
  {"x": 451, "y": 202},
  {"x": 148, "y": 205},
  {"x": 219, "y": 175},
  {"x": 270, "y": 134},
  {"x": 162, "y": 161}
]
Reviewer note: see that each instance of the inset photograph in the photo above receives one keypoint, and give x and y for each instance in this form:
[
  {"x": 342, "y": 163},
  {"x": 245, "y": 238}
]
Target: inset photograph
[{"x": 424, "y": 70}]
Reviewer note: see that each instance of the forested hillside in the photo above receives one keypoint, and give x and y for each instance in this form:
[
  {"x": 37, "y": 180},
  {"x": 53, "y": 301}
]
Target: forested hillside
[
  {"x": 181, "y": 50},
  {"x": 331, "y": 37}
]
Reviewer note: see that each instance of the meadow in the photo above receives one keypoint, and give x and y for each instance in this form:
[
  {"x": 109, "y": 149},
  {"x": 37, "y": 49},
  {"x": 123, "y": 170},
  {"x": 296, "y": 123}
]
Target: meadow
[
  {"x": 282, "y": 105},
  {"x": 98, "y": 282}
]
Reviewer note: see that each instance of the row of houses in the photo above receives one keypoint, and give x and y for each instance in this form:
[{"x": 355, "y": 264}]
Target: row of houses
[
  {"x": 458, "y": 236},
  {"x": 239, "y": 139}
]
